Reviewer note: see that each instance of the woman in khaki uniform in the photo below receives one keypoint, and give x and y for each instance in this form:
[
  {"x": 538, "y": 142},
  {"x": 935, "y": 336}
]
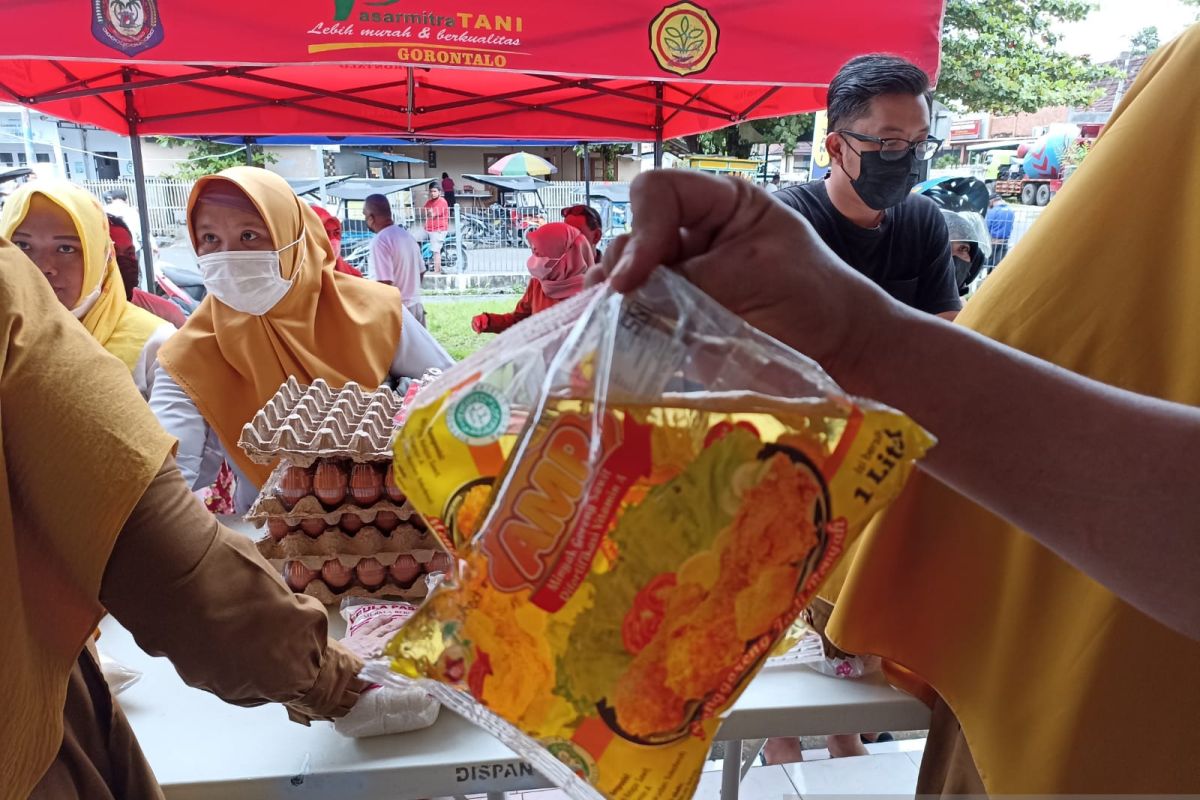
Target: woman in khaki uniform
[{"x": 94, "y": 517}]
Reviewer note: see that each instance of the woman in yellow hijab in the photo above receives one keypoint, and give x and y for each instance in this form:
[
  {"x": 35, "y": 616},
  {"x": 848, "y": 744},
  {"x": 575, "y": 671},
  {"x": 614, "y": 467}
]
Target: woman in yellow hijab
[
  {"x": 64, "y": 231},
  {"x": 88, "y": 489},
  {"x": 1059, "y": 686},
  {"x": 276, "y": 308}
]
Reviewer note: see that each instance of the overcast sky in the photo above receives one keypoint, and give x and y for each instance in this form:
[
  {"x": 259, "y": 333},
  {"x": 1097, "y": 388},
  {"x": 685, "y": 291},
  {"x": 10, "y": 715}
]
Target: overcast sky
[{"x": 1106, "y": 31}]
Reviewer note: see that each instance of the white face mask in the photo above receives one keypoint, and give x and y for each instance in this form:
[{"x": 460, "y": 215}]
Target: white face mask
[{"x": 249, "y": 281}]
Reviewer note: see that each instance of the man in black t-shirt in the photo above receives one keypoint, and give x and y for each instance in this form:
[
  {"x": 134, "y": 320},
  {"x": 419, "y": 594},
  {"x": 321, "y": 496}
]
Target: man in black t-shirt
[
  {"x": 878, "y": 108},
  {"x": 878, "y": 132}
]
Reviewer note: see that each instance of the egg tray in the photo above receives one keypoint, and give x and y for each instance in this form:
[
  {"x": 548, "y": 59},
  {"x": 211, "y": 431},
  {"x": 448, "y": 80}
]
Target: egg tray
[
  {"x": 302, "y": 424},
  {"x": 423, "y": 555},
  {"x": 318, "y": 589},
  {"x": 269, "y": 505},
  {"x": 368, "y": 542}
]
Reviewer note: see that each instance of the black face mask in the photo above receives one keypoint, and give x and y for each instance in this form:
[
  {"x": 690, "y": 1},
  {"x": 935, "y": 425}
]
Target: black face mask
[
  {"x": 966, "y": 271},
  {"x": 128, "y": 267},
  {"x": 883, "y": 184}
]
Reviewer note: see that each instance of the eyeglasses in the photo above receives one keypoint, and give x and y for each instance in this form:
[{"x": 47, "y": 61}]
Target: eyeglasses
[{"x": 896, "y": 149}]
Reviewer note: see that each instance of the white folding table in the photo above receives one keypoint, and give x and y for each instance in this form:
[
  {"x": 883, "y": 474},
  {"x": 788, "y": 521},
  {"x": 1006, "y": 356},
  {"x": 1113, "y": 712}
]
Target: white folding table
[{"x": 202, "y": 748}]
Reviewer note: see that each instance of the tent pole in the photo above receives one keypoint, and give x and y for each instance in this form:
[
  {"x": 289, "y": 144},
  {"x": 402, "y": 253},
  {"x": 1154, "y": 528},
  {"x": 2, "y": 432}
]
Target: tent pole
[
  {"x": 412, "y": 86},
  {"x": 139, "y": 177},
  {"x": 587, "y": 175},
  {"x": 249, "y": 151},
  {"x": 658, "y": 125}
]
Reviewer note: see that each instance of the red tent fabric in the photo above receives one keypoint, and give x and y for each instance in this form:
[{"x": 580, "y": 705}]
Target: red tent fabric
[{"x": 624, "y": 70}]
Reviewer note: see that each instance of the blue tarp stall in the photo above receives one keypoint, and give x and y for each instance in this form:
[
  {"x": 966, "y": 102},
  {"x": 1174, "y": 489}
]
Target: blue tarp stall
[{"x": 391, "y": 159}]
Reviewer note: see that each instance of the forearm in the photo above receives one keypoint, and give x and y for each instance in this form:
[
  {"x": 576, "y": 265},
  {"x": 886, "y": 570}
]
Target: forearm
[
  {"x": 1105, "y": 478},
  {"x": 202, "y": 596}
]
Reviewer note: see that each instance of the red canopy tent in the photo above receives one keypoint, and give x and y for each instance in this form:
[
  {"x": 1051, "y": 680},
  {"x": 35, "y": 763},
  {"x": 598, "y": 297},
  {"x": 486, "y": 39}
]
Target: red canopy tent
[{"x": 627, "y": 70}]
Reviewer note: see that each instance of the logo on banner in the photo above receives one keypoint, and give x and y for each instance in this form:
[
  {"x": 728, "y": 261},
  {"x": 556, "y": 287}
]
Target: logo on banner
[
  {"x": 683, "y": 38},
  {"x": 128, "y": 26}
]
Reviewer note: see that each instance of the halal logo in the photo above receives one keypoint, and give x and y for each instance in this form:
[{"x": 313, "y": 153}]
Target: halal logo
[
  {"x": 128, "y": 26},
  {"x": 479, "y": 417},
  {"x": 683, "y": 38}
]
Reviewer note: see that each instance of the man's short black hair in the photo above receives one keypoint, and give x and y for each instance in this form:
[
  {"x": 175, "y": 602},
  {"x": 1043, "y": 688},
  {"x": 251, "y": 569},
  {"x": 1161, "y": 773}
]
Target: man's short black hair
[
  {"x": 116, "y": 222},
  {"x": 864, "y": 78},
  {"x": 118, "y": 194}
]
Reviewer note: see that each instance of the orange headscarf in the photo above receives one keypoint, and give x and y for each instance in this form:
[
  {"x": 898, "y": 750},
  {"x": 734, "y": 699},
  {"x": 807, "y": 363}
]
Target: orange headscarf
[{"x": 327, "y": 326}]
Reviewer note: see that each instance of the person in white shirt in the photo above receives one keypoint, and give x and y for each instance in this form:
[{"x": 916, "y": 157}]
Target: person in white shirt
[
  {"x": 395, "y": 257},
  {"x": 276, "y": 308}
]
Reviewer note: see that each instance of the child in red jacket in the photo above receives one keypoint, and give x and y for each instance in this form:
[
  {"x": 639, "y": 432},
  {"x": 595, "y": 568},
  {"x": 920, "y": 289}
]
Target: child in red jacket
[{"x": 561, "y": 256}]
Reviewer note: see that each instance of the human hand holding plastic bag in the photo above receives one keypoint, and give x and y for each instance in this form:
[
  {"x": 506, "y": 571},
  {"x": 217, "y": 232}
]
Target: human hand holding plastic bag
[{"x": 682, "y": 487}]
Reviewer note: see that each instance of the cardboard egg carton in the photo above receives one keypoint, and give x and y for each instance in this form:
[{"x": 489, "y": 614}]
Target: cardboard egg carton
[
  {"x": 271, "y": 503},
  {"x": 311, "y": 579},
  {"x": 302, "y": 424},
  {"x": 335, "y": 542}
]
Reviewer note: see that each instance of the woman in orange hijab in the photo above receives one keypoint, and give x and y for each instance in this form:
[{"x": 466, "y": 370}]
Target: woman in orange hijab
[{"x": 276, "y": 308}]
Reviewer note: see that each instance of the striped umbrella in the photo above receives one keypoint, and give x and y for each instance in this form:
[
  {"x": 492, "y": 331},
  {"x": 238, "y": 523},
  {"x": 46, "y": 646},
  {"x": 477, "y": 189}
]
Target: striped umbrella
[{"x": 522, "y": 163}]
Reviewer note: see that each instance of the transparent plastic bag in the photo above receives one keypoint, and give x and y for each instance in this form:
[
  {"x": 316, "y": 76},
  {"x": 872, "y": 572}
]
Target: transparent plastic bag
[{"x": 681, "y": 488}]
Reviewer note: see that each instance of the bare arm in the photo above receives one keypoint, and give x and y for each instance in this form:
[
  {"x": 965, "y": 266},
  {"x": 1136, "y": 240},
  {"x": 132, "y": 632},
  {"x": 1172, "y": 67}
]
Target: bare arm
[{"x": 1104, "y": 478}]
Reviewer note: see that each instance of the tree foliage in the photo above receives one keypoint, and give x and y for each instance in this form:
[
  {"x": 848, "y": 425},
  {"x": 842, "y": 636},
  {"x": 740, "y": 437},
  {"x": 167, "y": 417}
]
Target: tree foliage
[
  {"x": 1003, "y": 56},
  {"x": 206, "y": 158},
  {"x": 786, "y": 131},
  {"x": 1144, "y": 41},
  {"x": 609, "y": 153}
]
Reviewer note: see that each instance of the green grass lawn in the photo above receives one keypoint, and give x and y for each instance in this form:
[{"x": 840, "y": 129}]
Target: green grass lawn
[{"x": 450, "y": 322}]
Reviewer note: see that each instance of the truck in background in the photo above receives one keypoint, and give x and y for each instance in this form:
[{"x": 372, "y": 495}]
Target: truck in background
[{"x": 1037, "y": 171}]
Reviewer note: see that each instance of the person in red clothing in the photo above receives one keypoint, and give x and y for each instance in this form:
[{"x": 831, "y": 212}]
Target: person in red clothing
[
  {"x": 437, "y": 222},
  {"x": 333, "y": 229},
  {"x": 561, "y": 256},
  {"x": 127, "y": 264}
]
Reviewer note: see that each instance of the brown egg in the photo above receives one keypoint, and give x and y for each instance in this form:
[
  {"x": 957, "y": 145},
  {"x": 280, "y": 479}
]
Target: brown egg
[
  {"x": 278, "y": 528},
  {"x": 386, "y": 521},
  {"x": 329, "y": 483},
  {"x": 389, "y": 484},
  {"x": 313, "y": 526},
  {"x": 370, "y": 573},
  {"x": 351, "y": 523},
  {"x": 441, "y": 562},
  {"x": 405, "y": 570},
  {"x": 366, "y": 484},
  {"x": 294, "y": 484},
  {"x": 336, "y": 574},
  {"x": 297, "y": 575}
]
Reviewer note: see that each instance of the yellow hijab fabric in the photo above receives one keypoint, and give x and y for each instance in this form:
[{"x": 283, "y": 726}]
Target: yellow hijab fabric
[
  {"x": 78, "y": 447},
  {"x": 328, "y": 325},
  {"x": 1061, "y": 687},
  {"x": 119, "y": 325}
]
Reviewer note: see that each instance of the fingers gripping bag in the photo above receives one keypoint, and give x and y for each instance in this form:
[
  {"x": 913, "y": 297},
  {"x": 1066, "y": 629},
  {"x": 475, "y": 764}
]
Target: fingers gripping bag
[{"x": 679, "y": 492}]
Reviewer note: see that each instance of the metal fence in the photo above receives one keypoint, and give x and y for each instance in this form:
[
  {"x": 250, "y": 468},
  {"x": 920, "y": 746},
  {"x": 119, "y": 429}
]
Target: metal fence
[{"x": 167, "y": 202}]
